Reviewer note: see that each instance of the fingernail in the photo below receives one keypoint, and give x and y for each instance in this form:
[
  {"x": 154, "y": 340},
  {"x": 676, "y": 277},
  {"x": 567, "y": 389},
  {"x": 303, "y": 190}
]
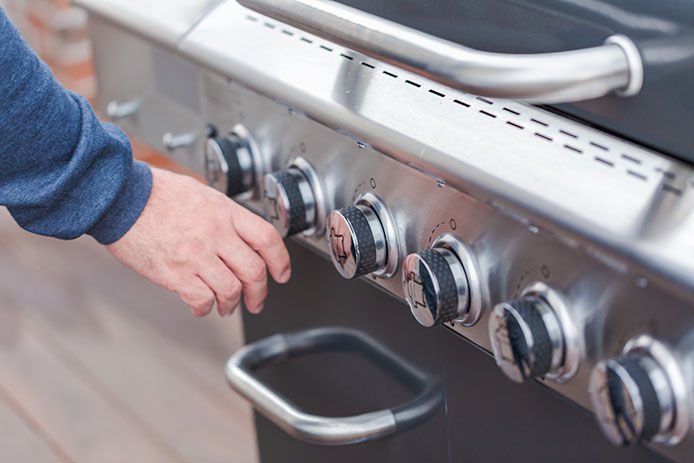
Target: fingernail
[
  {"x": 258, "y": 308},
  {"x": 285, "y": 276}
]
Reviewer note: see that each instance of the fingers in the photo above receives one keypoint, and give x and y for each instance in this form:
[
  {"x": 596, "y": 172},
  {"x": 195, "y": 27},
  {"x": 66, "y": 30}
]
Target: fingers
[
  {"x": 250, "y": 269},
  {"x": 194, "y": 292},
  {"x": 226, "y": 287},
  {"x": 262, "y": 237}
]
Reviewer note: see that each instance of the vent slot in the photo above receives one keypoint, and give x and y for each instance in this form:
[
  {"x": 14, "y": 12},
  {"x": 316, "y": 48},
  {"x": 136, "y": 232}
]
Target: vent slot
[{"x": 516, "y": 113}]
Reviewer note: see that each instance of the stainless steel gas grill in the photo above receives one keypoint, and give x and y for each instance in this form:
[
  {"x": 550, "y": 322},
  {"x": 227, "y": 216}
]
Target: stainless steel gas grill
[{"x": 557, "y": 238}]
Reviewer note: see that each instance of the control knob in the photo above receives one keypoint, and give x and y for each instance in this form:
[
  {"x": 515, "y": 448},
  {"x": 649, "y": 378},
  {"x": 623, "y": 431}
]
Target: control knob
[
  {"x": 437, "y": 283},
  {"x": 230, "y": 164},
  {"x": 528, "y": 336},
  {"x": 293, "y": 199},
  {"x": 639, "y": 396},
  {"x": 362, "y": 239}
]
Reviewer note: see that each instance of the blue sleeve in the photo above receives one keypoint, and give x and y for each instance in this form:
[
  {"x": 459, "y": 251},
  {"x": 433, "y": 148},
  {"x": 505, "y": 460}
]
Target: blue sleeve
[{"x": 62, "y": 172}]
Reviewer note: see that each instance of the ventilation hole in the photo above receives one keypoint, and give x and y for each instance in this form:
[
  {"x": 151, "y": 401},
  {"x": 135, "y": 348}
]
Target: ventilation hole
[
  {"x": 568, "y": 134},
  {"x": 286, "y": 32},
  {"x": 598, "y": 145},
  {"x": 511, "y": 111},
  {"x": 346, "y": 56},
  {"x": 371, "y": 66},
  {"x": 395, "y": 76},
  {"x": 636, "y": 174},
  {"x": 515, "y": 125},
  {"x": 487, "y": 114},
  {"x": 326, "y": 48},
  {"x": 573, "y": 148},
  {"x": 413, "y": 83},
  {"x": 251, "y": 18},
  {"x": 544, "y": 124},
  {"x": 306, "y": 40},
  {"x": 462, "y": 103},
  {"x": 666, "y": 173},
  {"x": 481, "y": 98},
  {"x": 436, "y": 93},
  {"x": 604, "y": 161},
  {"x": 270, "y": 25},
  {"x": 671, "y": 189},
  {"x": 630, "y": 158},
  {"x": 541, "y": 135}
]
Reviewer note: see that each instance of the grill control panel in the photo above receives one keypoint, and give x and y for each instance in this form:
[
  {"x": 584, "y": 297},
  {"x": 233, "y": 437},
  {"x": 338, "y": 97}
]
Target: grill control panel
[
  {"x": 546, "y": 308},
  {"x": 549, "y": 305}
]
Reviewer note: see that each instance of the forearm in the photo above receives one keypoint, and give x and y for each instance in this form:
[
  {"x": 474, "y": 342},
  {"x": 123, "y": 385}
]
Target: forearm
[{"x": 62, "y": 172}]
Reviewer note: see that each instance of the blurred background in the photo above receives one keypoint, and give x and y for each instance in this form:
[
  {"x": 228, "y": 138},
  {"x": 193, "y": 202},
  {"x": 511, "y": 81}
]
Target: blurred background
[{"x": 97, "y": 364}]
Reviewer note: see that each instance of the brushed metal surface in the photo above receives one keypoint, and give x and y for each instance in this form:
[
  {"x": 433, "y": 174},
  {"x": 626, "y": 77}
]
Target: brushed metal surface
[
  {"x": 166, "y": 89},
  {"x": 535, "y": 197},
  {"x": 546, "y": 170},
  {"x": 612, "y": 67},
  {"x": 164, "y": 21},
  {"x": 608, "y": 297},
  {"x": 661, "y": 114}
]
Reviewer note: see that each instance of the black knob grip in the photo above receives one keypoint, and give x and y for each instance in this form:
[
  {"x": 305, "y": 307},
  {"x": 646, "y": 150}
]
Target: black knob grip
[
  {"x": 623, "y": 404},
  {"x": 224, "y": 168},
  {"x": 535, "y": 359},
  {"x": 435, "y": 285},
  {"x": 527, "y": 338},
  {"x": 363, "y": 238},
  {"x": 229, "y": 147},
  {"x": 357, "y": 241},
  {"x": 439, "y": 286},
  {"x": 287, "y": 206}
]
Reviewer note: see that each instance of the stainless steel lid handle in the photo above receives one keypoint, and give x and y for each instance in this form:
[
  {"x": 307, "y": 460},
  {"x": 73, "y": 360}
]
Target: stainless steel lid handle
[
  {"x": 332, "y": 430},
  {"x": 615, "y": 66}
]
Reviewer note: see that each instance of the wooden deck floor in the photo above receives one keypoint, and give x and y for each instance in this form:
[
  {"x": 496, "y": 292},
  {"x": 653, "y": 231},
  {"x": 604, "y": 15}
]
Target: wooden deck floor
[{"x": 98, "y": 365}]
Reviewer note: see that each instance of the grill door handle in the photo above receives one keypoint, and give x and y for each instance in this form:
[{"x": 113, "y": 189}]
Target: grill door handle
[
  {"x": 331, "y": 430},
  {"x": 560, "y": 77}
]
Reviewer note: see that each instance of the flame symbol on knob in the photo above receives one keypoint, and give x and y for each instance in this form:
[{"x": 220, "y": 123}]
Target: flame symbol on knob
[
  {"x": 415, "y": 290},
  {"x": 275, "y": 212},
  {"x": 337, "y": 243}
]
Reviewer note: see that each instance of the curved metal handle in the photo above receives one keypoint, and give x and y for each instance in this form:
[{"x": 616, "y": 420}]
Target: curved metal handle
[
  {"x": 329, "y": 430},
  {"x": 560, "y": 77}
]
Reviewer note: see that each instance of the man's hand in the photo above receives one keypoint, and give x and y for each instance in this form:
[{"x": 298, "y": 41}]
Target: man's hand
[{"x": 196, "y": 242}]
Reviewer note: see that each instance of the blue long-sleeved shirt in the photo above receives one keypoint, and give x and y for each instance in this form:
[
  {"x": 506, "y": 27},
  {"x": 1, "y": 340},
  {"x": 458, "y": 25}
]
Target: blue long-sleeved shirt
[{"x": 62, "y": 172}]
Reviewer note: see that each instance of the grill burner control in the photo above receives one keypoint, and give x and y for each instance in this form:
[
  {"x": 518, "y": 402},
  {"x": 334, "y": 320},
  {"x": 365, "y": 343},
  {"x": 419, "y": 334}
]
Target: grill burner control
[
  {"x": 230, "y": 162},
  {"x": 535, "y": 336},
  {"x": 441, "y": 283},
  {"x": 641, "y": 395},
  {"x": 294, "y": 199},
  {"x": 362, "y": 239}
]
